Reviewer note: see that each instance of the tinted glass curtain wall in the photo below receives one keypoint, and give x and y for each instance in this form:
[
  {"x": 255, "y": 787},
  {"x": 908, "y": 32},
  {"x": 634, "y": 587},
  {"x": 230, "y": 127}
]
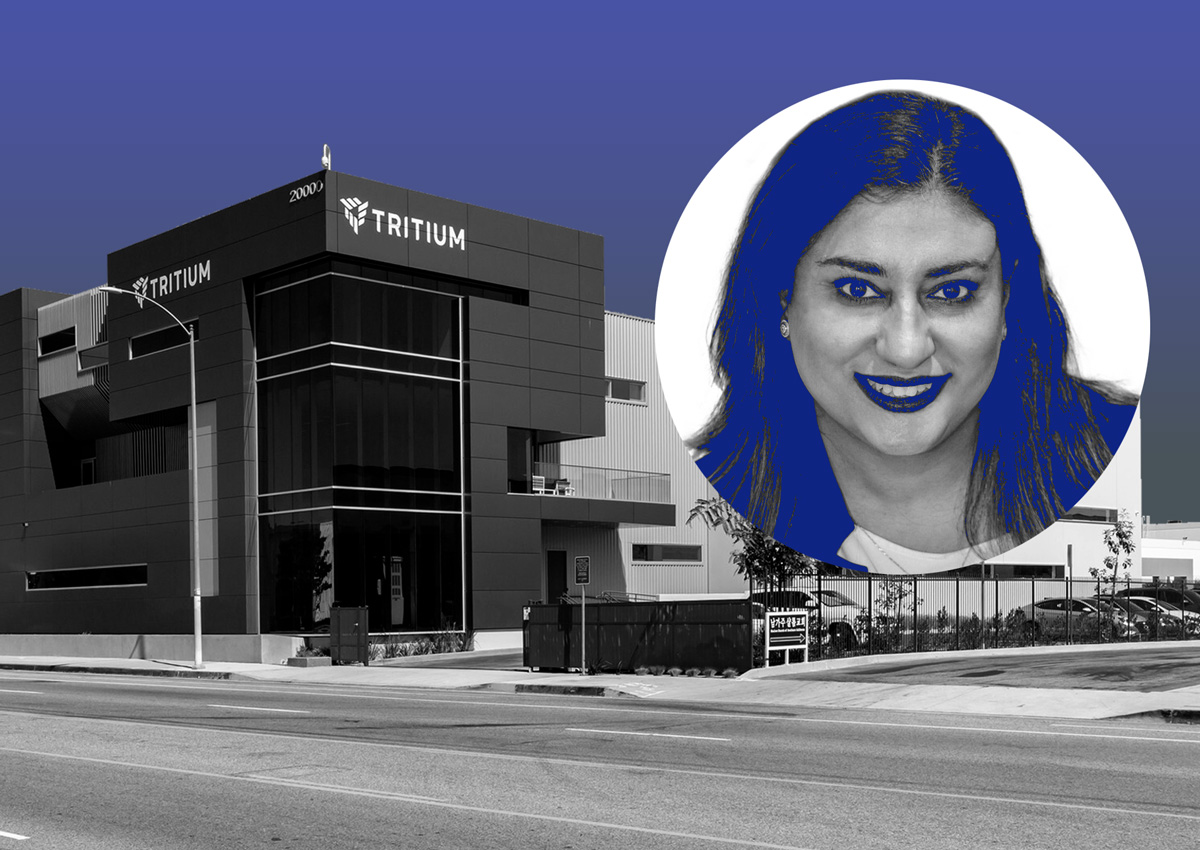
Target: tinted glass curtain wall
[{"x": 360, "y": 451}]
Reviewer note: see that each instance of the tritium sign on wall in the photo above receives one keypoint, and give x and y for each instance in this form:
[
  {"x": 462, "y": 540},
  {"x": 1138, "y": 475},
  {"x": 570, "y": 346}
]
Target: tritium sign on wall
[
  {"x": 361, "y": 215},
  {"x": 172, "y": 281}
]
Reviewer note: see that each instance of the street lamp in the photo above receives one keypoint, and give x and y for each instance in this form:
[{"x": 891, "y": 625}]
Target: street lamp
[{"x": 195, "y": 465}]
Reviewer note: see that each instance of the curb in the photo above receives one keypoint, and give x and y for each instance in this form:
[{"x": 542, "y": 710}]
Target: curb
[
  {"x": 120, "y": 671},
  {"x": 1170, "y": 715},
  {"x": 560, "y": 690}
]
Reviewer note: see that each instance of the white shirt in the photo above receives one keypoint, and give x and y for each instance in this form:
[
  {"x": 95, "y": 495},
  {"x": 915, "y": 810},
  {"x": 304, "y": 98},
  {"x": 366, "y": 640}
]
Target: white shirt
[{"x": 887, "y": 558}]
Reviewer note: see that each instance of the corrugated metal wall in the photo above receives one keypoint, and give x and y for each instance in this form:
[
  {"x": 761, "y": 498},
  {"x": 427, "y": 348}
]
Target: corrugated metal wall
[
  {"x": 642, "y": 437},
  {"x": 87, "y": 313}
]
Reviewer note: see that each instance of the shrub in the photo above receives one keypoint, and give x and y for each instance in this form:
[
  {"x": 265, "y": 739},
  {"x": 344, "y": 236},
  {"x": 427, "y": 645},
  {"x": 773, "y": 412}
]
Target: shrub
[
  {"x": 709, "y": 672},
  {"x": 641, "y": 671},
  {"x": 693, "y": 672},
  {"x": 675, "y": 671},
  {"x": 657, "y": 670},
  {"x": 730, "y": 673}
]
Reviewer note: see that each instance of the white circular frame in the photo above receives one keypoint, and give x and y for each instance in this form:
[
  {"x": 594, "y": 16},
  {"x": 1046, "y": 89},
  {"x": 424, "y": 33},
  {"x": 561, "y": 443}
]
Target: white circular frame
[{"x": 1089, "y": 250}]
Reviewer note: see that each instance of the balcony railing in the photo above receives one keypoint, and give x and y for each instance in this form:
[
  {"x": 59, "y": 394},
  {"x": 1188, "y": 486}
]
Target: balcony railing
[{"x": 593, "y": 482}]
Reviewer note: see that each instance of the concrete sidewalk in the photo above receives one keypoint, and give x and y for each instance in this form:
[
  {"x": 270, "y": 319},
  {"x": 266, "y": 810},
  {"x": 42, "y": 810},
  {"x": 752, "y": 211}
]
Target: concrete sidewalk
[{"x": 757, "y": 688}]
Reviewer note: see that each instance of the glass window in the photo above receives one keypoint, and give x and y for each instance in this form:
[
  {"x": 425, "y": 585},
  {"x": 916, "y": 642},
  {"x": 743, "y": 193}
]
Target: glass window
[
  {"x": 128, "y": 575},
  {"x": 171, "y": 337},
  {"x": 665, "y": 552},
  {"x": 57, "y": 341},
  {"x": 405, "y": 568},
  {"x": 296, "y": 570},
  {"x": 626, "y": 390}
]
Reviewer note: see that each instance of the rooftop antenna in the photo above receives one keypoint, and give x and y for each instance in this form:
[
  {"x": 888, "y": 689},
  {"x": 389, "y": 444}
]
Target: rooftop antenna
[{"x": 327, "y": 158}]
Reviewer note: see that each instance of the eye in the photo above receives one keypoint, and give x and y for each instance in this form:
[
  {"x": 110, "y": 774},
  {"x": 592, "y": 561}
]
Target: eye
[
  {"x": 954, "y": 292},
  {"x": 854, "y": 289}
]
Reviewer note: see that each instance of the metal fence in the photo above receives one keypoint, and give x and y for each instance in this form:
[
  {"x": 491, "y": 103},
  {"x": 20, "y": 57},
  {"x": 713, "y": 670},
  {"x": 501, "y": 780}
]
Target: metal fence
[{"x": 872, "y": 614}]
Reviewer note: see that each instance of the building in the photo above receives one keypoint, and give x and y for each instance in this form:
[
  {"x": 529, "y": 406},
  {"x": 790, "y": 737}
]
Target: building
[
  {"x": 378, "y": 371},
  {"x": 1171, "y": 549},
  {"x": 639, "y": 434}
]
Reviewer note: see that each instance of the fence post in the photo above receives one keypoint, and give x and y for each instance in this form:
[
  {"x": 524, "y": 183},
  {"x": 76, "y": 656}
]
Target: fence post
[
  {"x": 957, "y": 624},
  {"x": 820, "y": 620},
  {"x": 1070, "y": 598},
  {"x": 916, "y": 638},
  {"x": 996, "y": 609},
  {"x": 1032, "y": 611},
  {"x": 983, "y": 608},
  {"x": 870, "y": 617}
]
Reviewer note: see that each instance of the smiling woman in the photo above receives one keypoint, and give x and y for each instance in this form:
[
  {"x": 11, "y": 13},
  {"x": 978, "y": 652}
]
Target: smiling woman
[{"x": 929, "y": 354}]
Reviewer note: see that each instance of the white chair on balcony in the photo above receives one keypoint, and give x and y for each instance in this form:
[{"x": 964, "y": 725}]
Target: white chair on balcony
[
  {"x": 563, "y": 487},
  {"x": 539, "y": 486}
]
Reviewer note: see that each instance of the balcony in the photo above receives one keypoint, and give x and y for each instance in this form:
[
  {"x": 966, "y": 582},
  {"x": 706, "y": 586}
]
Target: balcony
[{"x": 564, "y": 480}]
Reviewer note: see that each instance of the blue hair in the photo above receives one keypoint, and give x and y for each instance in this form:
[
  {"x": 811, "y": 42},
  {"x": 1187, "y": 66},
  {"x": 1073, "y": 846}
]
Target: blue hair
[{"x": 1043, "y": 435}]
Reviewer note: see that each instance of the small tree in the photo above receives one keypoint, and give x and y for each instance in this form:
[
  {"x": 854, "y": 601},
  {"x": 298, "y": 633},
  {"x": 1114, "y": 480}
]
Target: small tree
[
  {"x": 764, "y": 561},
  {"x": 1119, "y": 542}
]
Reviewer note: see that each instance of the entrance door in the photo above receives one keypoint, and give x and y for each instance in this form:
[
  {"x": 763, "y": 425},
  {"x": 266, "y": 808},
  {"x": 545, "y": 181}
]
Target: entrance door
[{"x": 556, "y": 574}]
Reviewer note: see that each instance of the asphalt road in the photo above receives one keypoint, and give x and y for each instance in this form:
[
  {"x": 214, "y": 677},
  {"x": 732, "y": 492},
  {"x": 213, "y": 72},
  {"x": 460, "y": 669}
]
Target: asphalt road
[
  {"x": 1149, "y": 668},
  {"x": 122, "y": 762}
]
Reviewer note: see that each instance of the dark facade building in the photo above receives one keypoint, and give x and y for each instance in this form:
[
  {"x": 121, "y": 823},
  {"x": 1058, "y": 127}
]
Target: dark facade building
[{"x": 379, "y": 373}]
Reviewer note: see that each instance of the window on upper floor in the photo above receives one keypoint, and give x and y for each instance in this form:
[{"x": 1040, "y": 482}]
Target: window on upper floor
[
  {"x": 57, "y": 341},
  {"x": 625, "y": 389},
  {"x": 1081, "y": 513},
  {"x": 161, "y": 340}
]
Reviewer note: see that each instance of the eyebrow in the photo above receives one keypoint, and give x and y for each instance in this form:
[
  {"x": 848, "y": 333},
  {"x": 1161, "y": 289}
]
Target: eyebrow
[
  {"x": 867, "y": 267},
  {"x": 856, "y": 265}
]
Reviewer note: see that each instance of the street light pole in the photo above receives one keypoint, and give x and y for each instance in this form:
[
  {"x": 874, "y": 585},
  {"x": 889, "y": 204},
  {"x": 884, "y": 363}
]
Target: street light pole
[{"x": 195, "y": 469}]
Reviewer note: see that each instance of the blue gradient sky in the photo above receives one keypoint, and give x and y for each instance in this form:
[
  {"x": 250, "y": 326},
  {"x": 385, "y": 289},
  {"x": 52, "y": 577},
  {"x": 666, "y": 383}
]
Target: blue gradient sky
[{"x": 121, "y": 121}]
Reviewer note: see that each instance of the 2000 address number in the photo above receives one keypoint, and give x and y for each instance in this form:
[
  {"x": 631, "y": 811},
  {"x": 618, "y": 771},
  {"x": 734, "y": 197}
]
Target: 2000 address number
[{"x": 305, "y": 191}]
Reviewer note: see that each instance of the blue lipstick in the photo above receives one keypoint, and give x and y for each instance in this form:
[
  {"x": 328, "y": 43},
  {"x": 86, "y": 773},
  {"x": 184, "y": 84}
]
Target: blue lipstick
[{"x": 872, "y": 386}]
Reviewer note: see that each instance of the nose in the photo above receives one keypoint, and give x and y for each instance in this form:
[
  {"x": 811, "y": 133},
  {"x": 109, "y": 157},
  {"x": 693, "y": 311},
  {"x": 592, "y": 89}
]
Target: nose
[{"x": 904, "y": 338}]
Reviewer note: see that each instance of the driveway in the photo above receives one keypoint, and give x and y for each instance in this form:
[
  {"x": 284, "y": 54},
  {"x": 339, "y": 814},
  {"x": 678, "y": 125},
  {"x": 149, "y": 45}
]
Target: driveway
[{"x": 1147, "y": 669}]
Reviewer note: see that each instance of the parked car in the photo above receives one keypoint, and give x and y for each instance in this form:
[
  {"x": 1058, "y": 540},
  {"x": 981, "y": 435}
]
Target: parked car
[
  {"x": 1189, "y": 621},
  {"x": 841, "y": 619},
  {"x": 1141, "y": 617},
  {"x": 1188, "y": 600},
  {"x": 1084, "y": 615}
]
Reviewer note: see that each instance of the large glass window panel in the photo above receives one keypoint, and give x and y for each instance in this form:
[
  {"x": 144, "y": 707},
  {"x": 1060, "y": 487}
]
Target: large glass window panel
[
  {"x": 323, "y": 415},
  {"x": 347, "y": 308},
  {"x": 297, "y": 570},
  {"x": 405, "y": 568},
  {"x": 374, "y": 429},
  {"x": 319, "y": 303}
]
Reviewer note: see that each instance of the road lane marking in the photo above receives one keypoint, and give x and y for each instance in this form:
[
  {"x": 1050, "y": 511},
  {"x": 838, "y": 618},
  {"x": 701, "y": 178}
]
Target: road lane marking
[
  {"x": 14, "y": 836},
  {"x": 14, "y": 691},
  {"x": 257, "y": 708},
  {"x": 417, "y": 801},
  {"x": 387, "y": 795},
  {"x": 648, "y": 734}
]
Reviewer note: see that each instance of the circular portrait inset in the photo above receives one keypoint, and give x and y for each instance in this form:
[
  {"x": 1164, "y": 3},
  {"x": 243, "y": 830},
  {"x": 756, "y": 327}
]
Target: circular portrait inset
[{"x": 902, "y": 326}]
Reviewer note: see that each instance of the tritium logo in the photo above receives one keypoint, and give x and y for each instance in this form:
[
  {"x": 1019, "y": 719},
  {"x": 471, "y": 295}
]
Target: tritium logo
[
  {"x": 404, "y": 226},
  {"x": 356, "y": 212},
  {"x": 172, "y": 281}
]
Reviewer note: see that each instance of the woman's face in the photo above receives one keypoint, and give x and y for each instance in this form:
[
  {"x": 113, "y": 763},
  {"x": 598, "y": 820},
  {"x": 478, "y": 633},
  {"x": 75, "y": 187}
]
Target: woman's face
[{"x": 896, "y": 320}]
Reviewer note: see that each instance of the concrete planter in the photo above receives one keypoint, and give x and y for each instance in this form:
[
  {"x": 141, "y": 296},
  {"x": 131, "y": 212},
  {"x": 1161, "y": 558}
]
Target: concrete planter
[{"x": 310, "y": 661}]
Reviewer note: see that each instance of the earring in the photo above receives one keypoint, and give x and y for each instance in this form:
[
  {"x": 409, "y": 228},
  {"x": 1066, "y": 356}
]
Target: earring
[
  {"x": 1003, "y": 333},
  {"x": 783, "y": 328}
]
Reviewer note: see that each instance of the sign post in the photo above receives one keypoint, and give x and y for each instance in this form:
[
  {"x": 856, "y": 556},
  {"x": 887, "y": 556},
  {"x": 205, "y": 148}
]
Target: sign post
[
  {"x": 786, "y": 630},
  {"x": 583, "y": 577}
]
